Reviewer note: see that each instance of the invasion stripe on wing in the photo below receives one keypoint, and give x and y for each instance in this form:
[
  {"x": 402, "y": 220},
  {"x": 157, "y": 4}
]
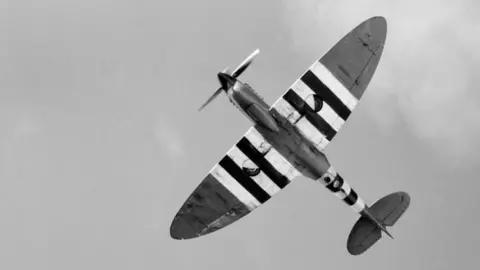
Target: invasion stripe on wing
[
  {"x": 256, "y": 157},
  {"x": 310, "y": 131},
  {"x": 271, "y": 154},
  {"x": 275, "y": 171},
  {"x": 327, "y": 113},
  {"x": 286, "y": 110},
  {"x": 323, "y": 74},
  {"x": 281, "y": 164},
  {"x": 243, "y": 179},
  {"x": 262, "y": 179},
  {"x": 316, "y": 120},
  {"x": 257, "y": 140},
  {"x": 326, "y": 94},
  {"x": 234, "y": 187},
  {"x": 304, "y": 126}
]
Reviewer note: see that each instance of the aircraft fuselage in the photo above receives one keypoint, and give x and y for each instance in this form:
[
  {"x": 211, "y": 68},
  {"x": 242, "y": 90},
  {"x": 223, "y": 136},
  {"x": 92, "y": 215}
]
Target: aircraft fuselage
[
  {"x": 250, "y": 103},
  {"x": 279, "y": 132}
]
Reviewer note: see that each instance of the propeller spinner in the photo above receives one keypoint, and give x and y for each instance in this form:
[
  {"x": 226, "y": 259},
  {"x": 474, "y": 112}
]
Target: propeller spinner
[{"x": 227, "y": 80}]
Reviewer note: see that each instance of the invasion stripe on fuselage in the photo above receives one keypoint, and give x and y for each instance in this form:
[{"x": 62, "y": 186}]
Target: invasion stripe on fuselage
[
  {"x": 336, "y": 185},
  {"x": 344, "y": 191},
  {"x": 301, "y": 106},
  {"x": 351, "y": 198},
  {"x": 359, "y": 205},
  {"x": 243, "y": 179},
  {"x": 254, "y": 155},
  {"x": 314, "y": 83}
]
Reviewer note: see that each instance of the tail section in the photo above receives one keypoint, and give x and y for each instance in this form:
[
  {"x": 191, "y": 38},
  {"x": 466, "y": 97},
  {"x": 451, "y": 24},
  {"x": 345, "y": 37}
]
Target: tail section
[
  {"x": 373, "y": 220},
  {"x": 335, "y": 183},
  {"x": 366, "y": 212}
]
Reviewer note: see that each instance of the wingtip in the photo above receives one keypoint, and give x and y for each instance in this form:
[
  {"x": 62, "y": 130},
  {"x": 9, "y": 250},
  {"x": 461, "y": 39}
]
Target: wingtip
[
  {"x": 181, "y": 230},
  {"x": 378, "y": 19}
]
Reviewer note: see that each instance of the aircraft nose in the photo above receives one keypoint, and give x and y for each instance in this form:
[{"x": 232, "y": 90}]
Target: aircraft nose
[
  {"x": 225, "y": 80},
  {"x": 222, "y": 75}
]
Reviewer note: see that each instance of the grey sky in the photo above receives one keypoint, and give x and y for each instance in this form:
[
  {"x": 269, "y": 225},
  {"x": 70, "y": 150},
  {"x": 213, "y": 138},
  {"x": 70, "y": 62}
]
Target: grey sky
[{"x": 101, "y": 143}]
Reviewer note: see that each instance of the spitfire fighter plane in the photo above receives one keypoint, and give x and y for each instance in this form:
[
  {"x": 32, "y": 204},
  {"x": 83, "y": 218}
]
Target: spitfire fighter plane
[{"x": 288, "y": 139}]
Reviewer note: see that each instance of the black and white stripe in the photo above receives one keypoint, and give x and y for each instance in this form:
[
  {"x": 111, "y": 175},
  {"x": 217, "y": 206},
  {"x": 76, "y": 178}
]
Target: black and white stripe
[
  {"x": 232, "y": 185},
  {"x": 254, "y": 155},
  {"x": 297, "y": 106},
  {"x": 326, "y": 94},
  {"x": 326, "y": 112},
  {"x": 302, "y": 123},
  {"x": 337, "y": 87},
  {"x": 337, "y": 185},
  {"x": 244, "y": 180},
  {"x": 305, "y": 109},
  {"x": 319, "y": 126},
  {"x": 275, "y": 172}
]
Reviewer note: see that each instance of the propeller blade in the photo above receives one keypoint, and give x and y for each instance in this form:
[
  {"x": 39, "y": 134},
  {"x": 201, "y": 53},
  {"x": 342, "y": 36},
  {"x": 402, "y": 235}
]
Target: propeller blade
[
  {"x": 211, "y": 98},
  {"x": 244, "y": 65}
]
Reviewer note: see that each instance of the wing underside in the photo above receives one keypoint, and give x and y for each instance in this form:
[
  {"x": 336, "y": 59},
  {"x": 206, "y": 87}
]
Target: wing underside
[
  {"x": 317, "y": 104},
  {"x": 323, "y": 98},
  {"x": 249, "y": 174}
]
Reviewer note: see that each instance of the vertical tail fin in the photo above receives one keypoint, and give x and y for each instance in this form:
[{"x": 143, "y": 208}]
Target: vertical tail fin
[{"x": 372, "y": 218}]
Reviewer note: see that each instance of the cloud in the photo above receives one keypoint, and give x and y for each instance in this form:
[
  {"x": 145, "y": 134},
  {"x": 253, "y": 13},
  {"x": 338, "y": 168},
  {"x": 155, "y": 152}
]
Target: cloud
[
  {"x": 426, "y": 78},
  {"x": 169, "y": 139},
  {"x": 18, "y": 124},
  {"x": 25, "y": 128}
]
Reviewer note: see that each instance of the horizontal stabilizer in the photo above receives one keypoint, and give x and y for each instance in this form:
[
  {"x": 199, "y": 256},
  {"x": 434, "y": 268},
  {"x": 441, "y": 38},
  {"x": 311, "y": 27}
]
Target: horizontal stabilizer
[
  {"x": 391, "y": 207},
  {"x": 364, "y": 234},
  {"x": 385, "y": 212}
]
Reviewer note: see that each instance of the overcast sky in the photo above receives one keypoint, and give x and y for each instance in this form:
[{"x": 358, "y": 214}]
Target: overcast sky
[{"x": 101, "y": 143}]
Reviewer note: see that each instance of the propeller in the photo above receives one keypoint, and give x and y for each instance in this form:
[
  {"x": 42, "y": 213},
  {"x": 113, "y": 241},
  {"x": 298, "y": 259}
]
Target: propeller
[
  {"x": 219, "y": 90},
  {"x": 227, "y": 80},
  {"x": 244, "y": 65}
]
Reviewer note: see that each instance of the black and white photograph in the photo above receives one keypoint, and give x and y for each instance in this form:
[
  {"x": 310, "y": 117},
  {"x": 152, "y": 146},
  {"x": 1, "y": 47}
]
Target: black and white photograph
[{"x": 239, "y": 135}]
